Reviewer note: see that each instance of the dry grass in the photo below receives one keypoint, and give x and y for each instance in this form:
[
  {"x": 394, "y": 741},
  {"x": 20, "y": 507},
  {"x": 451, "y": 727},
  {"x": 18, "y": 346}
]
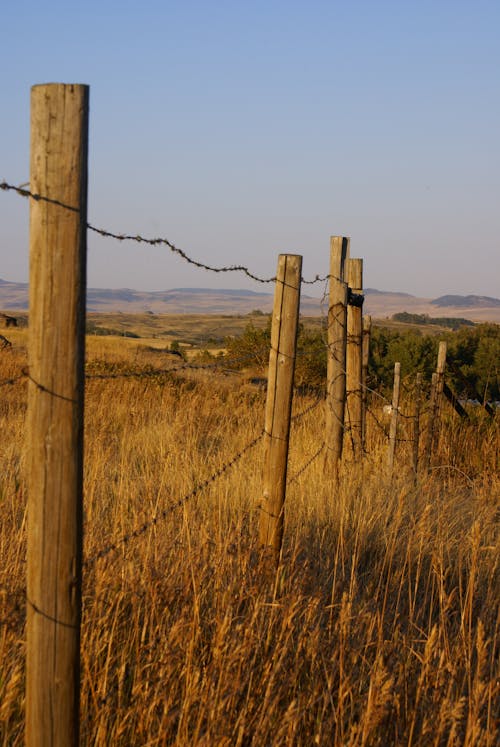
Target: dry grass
[{"x": 383, "y": 628}]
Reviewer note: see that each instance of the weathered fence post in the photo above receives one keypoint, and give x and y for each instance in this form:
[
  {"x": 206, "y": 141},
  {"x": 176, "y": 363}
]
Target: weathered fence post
[
  {"x": 394, "y": 415},
  {"x": 279, "y": 400},
  {"x": 416, "y": 421},
  {"x": 429, "y": 436},
  {"x": 435, "y": 402},
  {"x": 336, "y": 353},
  {"x": 354, "y": 352},
  {"x": 365, "y": 355},
  {"x": 59, "y": 146}
]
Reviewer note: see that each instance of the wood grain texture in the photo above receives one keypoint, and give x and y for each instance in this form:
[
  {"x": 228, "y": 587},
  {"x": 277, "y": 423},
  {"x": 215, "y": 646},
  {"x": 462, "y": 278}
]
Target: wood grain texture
[
  {"x": 336, "y": 353},
  {"x": 59, "y": 146},
  {"x": 354, "y": 357},
  {"x": 435, "y": 403},
  {"x": 365, "y": 354},
  {"x": 394, "y": 415},
  {"x": 279, "y": 400}
]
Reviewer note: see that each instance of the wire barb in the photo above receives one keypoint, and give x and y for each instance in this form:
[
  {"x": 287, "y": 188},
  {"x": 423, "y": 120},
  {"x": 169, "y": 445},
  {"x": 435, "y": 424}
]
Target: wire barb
[
  {"x": 152, "y": 242},
  {"x": 147, "y": 525},
  {"x": 306, "y": 466}
]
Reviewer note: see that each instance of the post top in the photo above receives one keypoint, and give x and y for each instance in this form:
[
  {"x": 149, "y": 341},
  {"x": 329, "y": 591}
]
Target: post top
[{"x": 65, "y": 85}]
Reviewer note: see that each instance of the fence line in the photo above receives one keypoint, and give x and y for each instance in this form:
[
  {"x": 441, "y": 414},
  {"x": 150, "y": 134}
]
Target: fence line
[
  {"x": 218, "y": 365},
  {"x": 161, "y": 515},
  {"x": 215, "y": 368},
  {"x": 54, "y": 580},
  {"x": 153, "y": 242}
]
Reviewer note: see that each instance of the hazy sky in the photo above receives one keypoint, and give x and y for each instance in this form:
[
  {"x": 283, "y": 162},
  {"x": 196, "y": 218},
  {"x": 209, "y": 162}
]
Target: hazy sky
[{"x": 241, "y": 130}]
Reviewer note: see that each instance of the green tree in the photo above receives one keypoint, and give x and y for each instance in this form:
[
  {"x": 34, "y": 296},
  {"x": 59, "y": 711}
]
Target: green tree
[{"x": 250, "y": 348}]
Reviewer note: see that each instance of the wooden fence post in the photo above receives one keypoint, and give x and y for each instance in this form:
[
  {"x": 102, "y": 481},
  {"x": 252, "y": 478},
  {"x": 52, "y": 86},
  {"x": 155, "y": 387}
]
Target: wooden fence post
[
  {"x": 394, "y": 415},
  {"x": 365, "y": 355},
  {"x": 279, "y": 400},
  {"x": 435, "y": 403},
  {"x": 429, "y": 436},
  {"x": 336, "y": 353},
  {"x": 354, "y": 352},
  {"x": 58, "y": 225},
  {"x": 416, "y": 421}
]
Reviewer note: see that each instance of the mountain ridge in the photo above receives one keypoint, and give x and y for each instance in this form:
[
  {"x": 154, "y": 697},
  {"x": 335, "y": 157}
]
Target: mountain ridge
[
  {"x": 466, "y": 301},
  {"x": 378, "y": 303}
]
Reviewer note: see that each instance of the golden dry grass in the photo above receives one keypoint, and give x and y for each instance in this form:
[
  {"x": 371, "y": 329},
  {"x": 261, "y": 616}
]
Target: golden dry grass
[{"x": 383, "y": 628}]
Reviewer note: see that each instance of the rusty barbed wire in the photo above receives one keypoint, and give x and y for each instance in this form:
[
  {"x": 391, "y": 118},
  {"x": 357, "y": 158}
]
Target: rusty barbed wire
[
  {"x": 161, "y": 515},
  {"x": 159, "y": 241},
  {"x": 13, "y": 607},
  {"x": 219, "y": 365},
  {"x": 180, "y": 252},
  {"x": 355, "y": 299},
  {"x": 222, "y": 364},
  {"x": 13, "y": 380},
  {"x": 152, "y": 373},
  {"x": 310, "y": 408},
  {"x": 383, "y": 428},
  {"x": 306, "y": 466}
]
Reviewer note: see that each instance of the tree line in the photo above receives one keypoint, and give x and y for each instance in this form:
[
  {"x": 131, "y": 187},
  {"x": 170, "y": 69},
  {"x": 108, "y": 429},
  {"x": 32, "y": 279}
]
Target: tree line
[{"x": 472, "y": 367}]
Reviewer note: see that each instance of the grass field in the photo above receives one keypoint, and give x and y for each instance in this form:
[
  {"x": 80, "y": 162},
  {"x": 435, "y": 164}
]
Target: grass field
[
  {"x": 384, "y": 628},
  {"x": 199, "y": 330}
]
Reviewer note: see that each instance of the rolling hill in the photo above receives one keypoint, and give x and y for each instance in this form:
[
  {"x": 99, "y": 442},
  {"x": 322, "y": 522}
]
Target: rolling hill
[{"x": 380, "y": 304}]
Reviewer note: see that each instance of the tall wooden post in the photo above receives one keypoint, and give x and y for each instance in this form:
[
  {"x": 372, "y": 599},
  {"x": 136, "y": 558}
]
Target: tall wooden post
[
  {"x": 431, "y": 423},
  {"x": 435, "y": 404},
  {"x": 354, "y": 353},
  {"x": 59, "y": 146},
  {"x": 394, "y": 415},
  {"x": 365, "y": 360},
  {"x": 336, "y": 353},
  {"x": 279, "y": 400}
]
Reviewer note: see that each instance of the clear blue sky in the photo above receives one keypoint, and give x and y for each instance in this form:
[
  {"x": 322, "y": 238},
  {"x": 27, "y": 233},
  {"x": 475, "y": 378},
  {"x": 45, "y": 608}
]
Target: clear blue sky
[{"x": 242, "y": 130}]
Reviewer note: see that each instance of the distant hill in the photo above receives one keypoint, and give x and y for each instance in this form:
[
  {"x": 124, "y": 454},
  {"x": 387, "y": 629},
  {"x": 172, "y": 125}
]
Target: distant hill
[
  {"x": 375, "y": 292},
  {"x": 13, "y": 295},
  {"x": 230, "y": 302},
  {"x": 184, "y": 301},
  {"x": 469, "y": 302}
]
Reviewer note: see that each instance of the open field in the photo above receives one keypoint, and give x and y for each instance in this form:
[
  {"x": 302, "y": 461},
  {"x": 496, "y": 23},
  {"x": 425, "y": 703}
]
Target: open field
[
  {"x": 191, "y": 331},
  {"x": 383, "y": 627}
]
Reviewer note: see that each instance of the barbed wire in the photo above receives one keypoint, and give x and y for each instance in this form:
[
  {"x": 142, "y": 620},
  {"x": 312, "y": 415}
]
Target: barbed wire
[
  {"x": 159, "y": 241},
  {"x": 306, "y": 466},
  {"x": 221, "y": 363},
  {"x": 225, "y": 364},
  {"x": 215, "y": 367},
  {"x": 383, "y": 428},
  {"x": 161, "y": 515},
  {"x": 347, "y": 427},
  {"x": 17, "y": 602},
  {"x": 355, "y": 299},
  {"x": 218, "y": 366},
  {"x": 152, "y": 373},
  {"x": 310, "y": 408},
  {"x": 13, "y": 380}
]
